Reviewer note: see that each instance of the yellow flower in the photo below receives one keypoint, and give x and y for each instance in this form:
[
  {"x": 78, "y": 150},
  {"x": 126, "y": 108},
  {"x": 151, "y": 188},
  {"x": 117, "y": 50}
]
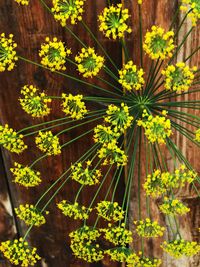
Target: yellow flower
[
  {"x": 11, "y": 140},
  {"x": 112, "y": 154},
  {"x": 74, "y": 210},
  {"x": 53, "y": 54},
  {"x": 73, "y": 106},
  {"x": 110, "y": 211},
  {"x": 197, "y": 135},
  {"x": 179, "y": 77},
  {"x": 104, "y": 134},
  {"x": 145, "y": 262},
  {"x": 119, "y": 117},
  {"x": 48, "y": 143},
  {"x": 88, "y": 62},
  {"x": 65, "y": 9},
  {"x": 122, "y": 254},
  {"x": 180, "y": 248},
  {"x": 195, "y": 6},
  {"x": 131, "y": 78},
  {"x": 30, "y": 215},
  {"x": 148, "y": 228},
  {"x": 8, "y": 55},
  {"x": 25, "y": 176},
  {"x": 157, "y": 128},
  {"x": 34, "y": 102},
  {"x": 173, "y": 207},
  {"x": 140, "y": 2},
  {"x": 117, "y": 235},
  {"x": 22, "y": 2},
  {"x": 18, "y": 252},
  {"x": 84, "y": 174},
  {"x": 113, "y": 22},
  {"x": 158, "y": 43}
]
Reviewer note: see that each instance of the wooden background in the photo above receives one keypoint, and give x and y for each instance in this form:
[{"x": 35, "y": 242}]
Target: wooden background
[{"x": 30, "y": 25}]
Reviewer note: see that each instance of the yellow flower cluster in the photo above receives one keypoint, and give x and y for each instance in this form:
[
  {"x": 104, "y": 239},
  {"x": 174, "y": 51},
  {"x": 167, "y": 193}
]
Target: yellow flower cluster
[
  {"x": 139, "y": 2},
  {"x": 88, "y": 62},
  {"x": 158, "y": 43},
  {"x": 34, "y": 102},
  {"x": 84, "y": 175},
  {"x": 73, "y": 106},
  {"x": 53, "y": 54},
  {"x": 112, "y": 154},
  {"x": 82, "y": 244},
  {"x": 181, "y": 247},
  {"x": 74, "y": 210},
  {"x": 19, "y": 252},
  {"x": 122, "y": 254},
  {"x": 110, "y": 211},
  {"x": 104, "y": 134},
  {"x": 154, "y": 185},
  {"x": 148, "y": 228},
  {"x": 8, "y": 55},
  {"x": 22, "y": 2},
  {"x": 157, "y": 128},
  {"x": 179, "y": 77},
  {"x": 146, "y": 262},
  {"x": 30, "y": 215},
  {"x": 195, "y": 6},
  {"x": 48, "y": 143},
  {"x": 119, "y": 117},
  {"x": 25, "y": 176},
  {"x": 180, "y": 177},
  {"x": 197, "y": 135},
  {"x": 65, "y": 9},
  {"x": 11, "y": 140},
  {"x": 173, "y": 207},
  {"x": 113, "y": 22},
  {"x": 131, "y": 78},
  {"x": 117, "y": 235}
]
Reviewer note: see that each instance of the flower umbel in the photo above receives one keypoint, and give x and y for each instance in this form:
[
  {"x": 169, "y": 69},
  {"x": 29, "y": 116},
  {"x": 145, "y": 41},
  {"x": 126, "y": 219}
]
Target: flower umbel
[
  {"x": 104, "y": 134},
  {"x": 11, "y": 140},
  {"x": 173, "y": 207},
  {"x": 74, "y": 210},
  {"x": 88, "y": 62},
  {"x": 53, "y": 54},
  {"x": 110, "y": 211},
  {"x": 158, "y": 43},
  {"x": 195, "y": 12},
  {"x": 122, "y": 254},
  {"x": 197, "y": 135},
  {"x": 48, "y": 143},
  {"x": 73, "y": 106},
  {"x": 8, "y": 55},
  {"x": 148, "y": 228},
  {"x": 34, "y": 102},
  {"x": 113, "y": 22},
  {"x": 22, "y": 2},
  {"x": 19, "y": 252}
]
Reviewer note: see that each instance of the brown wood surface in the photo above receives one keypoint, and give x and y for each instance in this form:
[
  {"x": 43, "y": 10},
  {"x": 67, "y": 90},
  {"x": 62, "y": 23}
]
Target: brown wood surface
[{"x": 30, "y": 25}]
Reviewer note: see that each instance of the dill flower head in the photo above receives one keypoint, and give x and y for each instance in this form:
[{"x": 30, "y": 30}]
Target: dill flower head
[
  {"x": 34, "y": 102},
  {"x": 112, "y": 154},
  {"x": 8, "y": 55},
  {"x": 48, "y": 143},
  {"x": 11, "y": 140},
  {"x": 64, "y": 10},
  {"x": 74, "y": 210},
  {"x": 139, "y": 2},
  {"x": 117, "y": 235},
  {"x": 53, "y": 54},
  {"x": 158, "y": 43},
  {"x": 113, "y": 22},
  {"x": 178, "y": 77},
  {"x": 195, "y": 6},
  {"x": 104, "y": 134},
  {"x": 88, "y": 62},
  {"x": 119, "y": 117},
  {"x": 122, "y": 254},
  {"x": 110, "y": 211},
  {"x": 73, "y": 106},
  {"x": 197, "y": 135},
  {"x": 181, "y": 247},
  {"x": 148, "y": 228},
  {"x": 83, "y": 244},
  {"x": 30, "y": 215},
  {"x": 22, "y": 2},
  {"x": 19, "y": 252},
  {"x": 84, "y": 174},
  {"x": 145, "y": 262},
  {"x": 25, "y": 176},
  {"x": 157, "y": 128},
  {"x": 173, "y": 207},
  {"x": 154, "y": 185},
  {"x": 130, "y": 77}
]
